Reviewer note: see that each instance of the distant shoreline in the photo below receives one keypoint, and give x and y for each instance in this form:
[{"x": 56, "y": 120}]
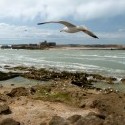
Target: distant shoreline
[
  {"x": 49, "y": 46},
  {"x": 85, "y": 48},
  {"x": 72, "y": 48}
]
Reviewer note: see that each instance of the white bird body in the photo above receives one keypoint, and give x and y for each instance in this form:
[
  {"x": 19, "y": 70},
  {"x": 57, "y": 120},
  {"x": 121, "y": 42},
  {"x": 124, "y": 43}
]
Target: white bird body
[{"x": 71, "y": 28}]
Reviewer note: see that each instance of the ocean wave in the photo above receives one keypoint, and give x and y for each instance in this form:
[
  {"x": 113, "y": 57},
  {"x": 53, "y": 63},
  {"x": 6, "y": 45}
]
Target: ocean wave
[{"x": 106, "y": 62}]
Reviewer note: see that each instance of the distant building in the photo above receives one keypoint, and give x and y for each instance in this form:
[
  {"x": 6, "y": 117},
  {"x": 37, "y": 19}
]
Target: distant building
[
  {"x": 48, "y": 44},
  {"x": 33, "y": 44},
  {"x": 52, "y": 44},
  {"x": 41, "y": 45}
]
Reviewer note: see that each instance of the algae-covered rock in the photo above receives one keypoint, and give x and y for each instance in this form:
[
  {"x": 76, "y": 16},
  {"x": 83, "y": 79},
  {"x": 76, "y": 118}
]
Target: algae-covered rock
[
  {"x": 9, "y": 75},
  {"x": 20, "y": 91},
  {"x": 57, "y": 120}
]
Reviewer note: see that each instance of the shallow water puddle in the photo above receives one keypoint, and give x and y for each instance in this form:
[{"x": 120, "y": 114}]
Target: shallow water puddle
[
  {"x": 20, "y": 81},
  {"x": 116, "y": 86}
]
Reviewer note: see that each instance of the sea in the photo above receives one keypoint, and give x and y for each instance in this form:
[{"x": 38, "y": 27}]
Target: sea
[{"x": 104, "y": 62}]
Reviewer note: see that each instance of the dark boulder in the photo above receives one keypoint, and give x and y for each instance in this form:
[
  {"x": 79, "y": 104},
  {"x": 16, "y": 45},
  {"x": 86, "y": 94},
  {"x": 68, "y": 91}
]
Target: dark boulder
[
  {"x": 74, "y": 118},
  {"x": 123, "y": 80},
  {"x": 82, "y": 82},
  {"x": 57, "y": 120},
  {"x": 90, "y": 119},
  {"x": 97, "y": 77},
  {"x": 9, "y": 121},
  {"x": 114, "y": 120},
  {"x": 4, "y": 108},
  {"x": 20, "y": 91},
  {"x": 9, "y": 75},
  {"x": 33, "y": 90}
]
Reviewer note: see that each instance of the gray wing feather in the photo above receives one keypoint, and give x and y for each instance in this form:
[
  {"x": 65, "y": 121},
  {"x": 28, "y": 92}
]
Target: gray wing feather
[
  {"x": 62, "y": 22},
  {"x": 67, "y": 24},
  {"x": 90, "y": 33}
]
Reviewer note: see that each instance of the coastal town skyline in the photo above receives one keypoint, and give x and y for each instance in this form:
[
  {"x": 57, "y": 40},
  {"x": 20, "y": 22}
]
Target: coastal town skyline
[{"x": 18, "y": 21}]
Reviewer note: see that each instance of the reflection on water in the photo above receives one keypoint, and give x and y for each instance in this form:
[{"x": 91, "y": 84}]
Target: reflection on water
[{"x": 20, "y": 81}]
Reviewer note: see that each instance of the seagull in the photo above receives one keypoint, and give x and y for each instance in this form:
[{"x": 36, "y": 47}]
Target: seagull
[{"x": 71, "y": 28}]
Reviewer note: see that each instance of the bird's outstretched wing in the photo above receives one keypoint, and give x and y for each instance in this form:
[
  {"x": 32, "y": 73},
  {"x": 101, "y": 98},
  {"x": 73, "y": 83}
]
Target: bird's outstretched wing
[
  {"x": 90, "y": 33},
  {"x": 61, "y": 22}
]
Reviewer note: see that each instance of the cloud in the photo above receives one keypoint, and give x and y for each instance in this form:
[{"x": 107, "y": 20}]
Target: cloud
[
  {"x": 59, "y": 9},
  {"x": 8, "y": 31},
  {"x": 101, "y": 9},
  {"x": 30, "y": 33}
]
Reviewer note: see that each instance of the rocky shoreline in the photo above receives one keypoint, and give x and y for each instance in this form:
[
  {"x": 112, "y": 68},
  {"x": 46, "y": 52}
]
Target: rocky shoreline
[{"x": 66, "y": 99}]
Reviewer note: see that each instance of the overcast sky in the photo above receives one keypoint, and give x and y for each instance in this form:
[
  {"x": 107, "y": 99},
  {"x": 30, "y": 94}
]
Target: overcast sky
[{"x": 19, "y": 18}]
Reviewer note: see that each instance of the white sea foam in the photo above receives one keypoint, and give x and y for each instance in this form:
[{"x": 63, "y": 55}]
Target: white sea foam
[{"x": 105, "y": 62}]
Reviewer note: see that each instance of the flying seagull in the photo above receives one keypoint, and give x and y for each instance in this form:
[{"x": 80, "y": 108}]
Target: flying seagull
[{"x": 71, "y": 28}]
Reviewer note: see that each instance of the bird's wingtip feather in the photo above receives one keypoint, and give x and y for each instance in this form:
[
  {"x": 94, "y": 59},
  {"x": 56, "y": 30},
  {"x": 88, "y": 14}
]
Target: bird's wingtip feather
[
  {"x": 96, "y": 37},
  {"x": 40, "y": 23}
]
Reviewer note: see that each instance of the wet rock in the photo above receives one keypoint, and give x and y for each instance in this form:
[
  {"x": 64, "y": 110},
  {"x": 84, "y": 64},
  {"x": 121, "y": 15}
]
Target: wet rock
[
  {"x": 37, "y": 74},
  {"x": 110, "y": 80},
  {"x": 108, "y": 90},
  {"x": 45, "y": 75},
  {"x": 123, "y": 80},
  {"x": 12, "y": 84},
  {"x": 114, "y": 120},
  {"x": 101, "y": 116},
  {"x": 5, "y": 76},
  {"x": 6, "y": 66},
  {"x": 97, "y": 76},
  {"x": 9, "y": 121},
  {"x": 81, "y": 82},
  {"x": 98, "y": 89},
  {"x": 57, "y": 120},
  {"x": 33, "y": 90},
  {"x": 4, "y": 108},
  {"x": 19, "y": 68},
  {"x": 20, "y": 91},
  {"x": 90, "y": 119},
  {"x": 74, "y": 118}
]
